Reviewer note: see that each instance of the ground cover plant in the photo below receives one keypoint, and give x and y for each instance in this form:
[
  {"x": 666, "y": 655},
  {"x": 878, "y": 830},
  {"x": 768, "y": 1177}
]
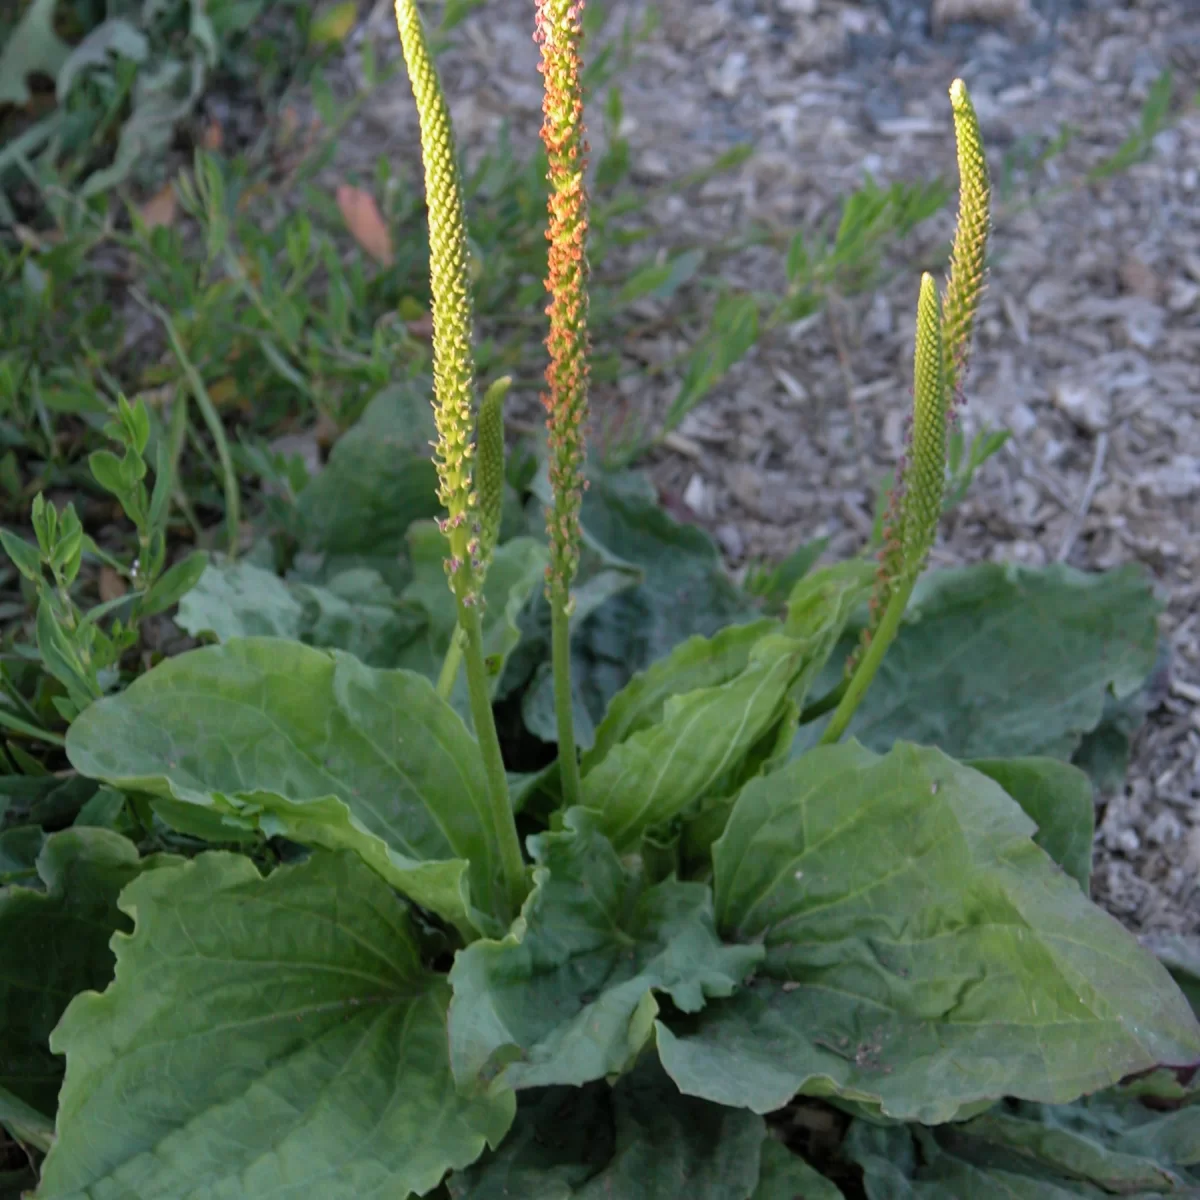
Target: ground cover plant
[{"x": 501, "y": 846}]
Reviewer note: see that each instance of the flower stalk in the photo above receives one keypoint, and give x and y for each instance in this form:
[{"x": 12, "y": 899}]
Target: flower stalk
[
  {"x": 454, "y": 450},
  {"x": 913, "y": 524},
  {"x": 559, "y": 32},
  {"x": 941, "y": 357}
]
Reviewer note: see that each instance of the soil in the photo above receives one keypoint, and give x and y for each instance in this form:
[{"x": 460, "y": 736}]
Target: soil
[{"x": 1088, "y": 346}]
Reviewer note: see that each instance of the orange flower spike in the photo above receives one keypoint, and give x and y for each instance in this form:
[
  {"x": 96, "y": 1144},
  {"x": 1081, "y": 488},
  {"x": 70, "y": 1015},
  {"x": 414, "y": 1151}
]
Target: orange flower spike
[{"x": 559, "y": 31}]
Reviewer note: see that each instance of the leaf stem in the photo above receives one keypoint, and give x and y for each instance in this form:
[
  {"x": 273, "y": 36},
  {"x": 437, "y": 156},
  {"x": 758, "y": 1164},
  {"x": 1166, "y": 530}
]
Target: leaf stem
[
  {"x": 818, "y": 708},
  {"x": 560, "y": 650},
  {"x": 450, "y": 664},
  {"x": 503, "y": 821},
  {"x": 889, "y": 625}
]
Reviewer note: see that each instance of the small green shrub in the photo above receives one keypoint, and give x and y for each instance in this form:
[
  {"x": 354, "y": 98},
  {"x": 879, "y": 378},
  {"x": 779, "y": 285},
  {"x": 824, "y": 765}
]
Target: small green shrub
[{"x": 479, "y": 863}]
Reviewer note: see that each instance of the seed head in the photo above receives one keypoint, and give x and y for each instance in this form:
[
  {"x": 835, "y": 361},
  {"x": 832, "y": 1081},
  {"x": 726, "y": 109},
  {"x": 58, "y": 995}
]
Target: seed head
[
  {"x": 558, "y": 32},
  {"x": 453, "y": 363}
]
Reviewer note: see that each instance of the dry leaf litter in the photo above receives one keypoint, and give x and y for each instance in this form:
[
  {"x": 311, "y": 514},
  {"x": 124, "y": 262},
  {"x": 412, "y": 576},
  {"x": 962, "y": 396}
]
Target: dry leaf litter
[{"x": 1088, "y": 347}]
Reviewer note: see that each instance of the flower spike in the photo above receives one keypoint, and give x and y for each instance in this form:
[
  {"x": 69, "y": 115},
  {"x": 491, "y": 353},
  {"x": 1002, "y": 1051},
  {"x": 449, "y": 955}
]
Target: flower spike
[
  {"x": 558, "y": 32},
  {"x": 925, "y": 480},
  {"x": 453, "y": 385},
  {"x": 939, "y": 367},
  {"x": 965, "y": 284},
  {"x": 453, "y": 363},
  {"x": 915, "y": 502},
  {"x": 490, "y": 466}
]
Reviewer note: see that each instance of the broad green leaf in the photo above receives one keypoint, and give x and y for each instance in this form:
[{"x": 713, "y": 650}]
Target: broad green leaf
[
  {"x": 654, "y": 775},
  {"x": 818, "y": 610},
  {"x": 1070, "y": 1141},
  {"x": 1107, "y": 1144},
  {"x": 239, "y": 600},
  {"x": 429, "y": 589},
  {"x": 823, "y": 602},
  {"x": 891, "y": 1172},
  {"x": 700, "y": 828},
  {"x": 568, "y": 995},
  {"x": 263, "y": 1037},
  {"x": 699, "y": 662},
  {"x": 1180, "y": 954},
  {"x": 1058, "y": 798},
  {"x": 20, "y": 847},
  {"x": 786, "y": 1176},
  {"x": 48, "y": 800},
  {"x": 540, "y": 714},
  {"x": 699, "y": 722},
  {"x": 1104, "y": 752},
  {"x": 105, "y": 810},
  {"x": 638, "y": 1139},
  {"x": 772, "y": 585},
  {"x": 354, "y": 610},
  {"x": 923, "y": 954},
  {"x": 54, "y": 944},
  {"x": 379, "y": 479},
  {"x": 1001, "y": 661},
  {"x": 313, "y": 745}
]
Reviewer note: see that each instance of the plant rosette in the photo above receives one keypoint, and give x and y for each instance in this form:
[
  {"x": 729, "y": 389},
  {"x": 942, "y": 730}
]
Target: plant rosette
[{"x": 823, "y": 853}]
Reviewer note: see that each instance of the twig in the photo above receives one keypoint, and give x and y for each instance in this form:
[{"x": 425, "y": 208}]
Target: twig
[{"x": 1085, "y": 502}]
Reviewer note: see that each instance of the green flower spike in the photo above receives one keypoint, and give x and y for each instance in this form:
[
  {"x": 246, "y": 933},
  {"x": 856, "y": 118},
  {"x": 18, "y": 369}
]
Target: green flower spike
[
  {"x": 942, "y": 355},
  {"x": 453, "y": 385},
  {"x": 453, "y": 364},
  {"x": 489, "y": 471},
  {"x": 965, "y": 285},
  {"x": 559, "y": 32},
  {"x": 925, "y": 479},
  {"x": 915, "y": 506}
]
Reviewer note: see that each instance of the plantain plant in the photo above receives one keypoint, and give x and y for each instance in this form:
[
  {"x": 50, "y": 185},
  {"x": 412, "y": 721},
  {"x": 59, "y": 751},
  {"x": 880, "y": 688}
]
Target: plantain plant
[{"x": 376, "y": 961}]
